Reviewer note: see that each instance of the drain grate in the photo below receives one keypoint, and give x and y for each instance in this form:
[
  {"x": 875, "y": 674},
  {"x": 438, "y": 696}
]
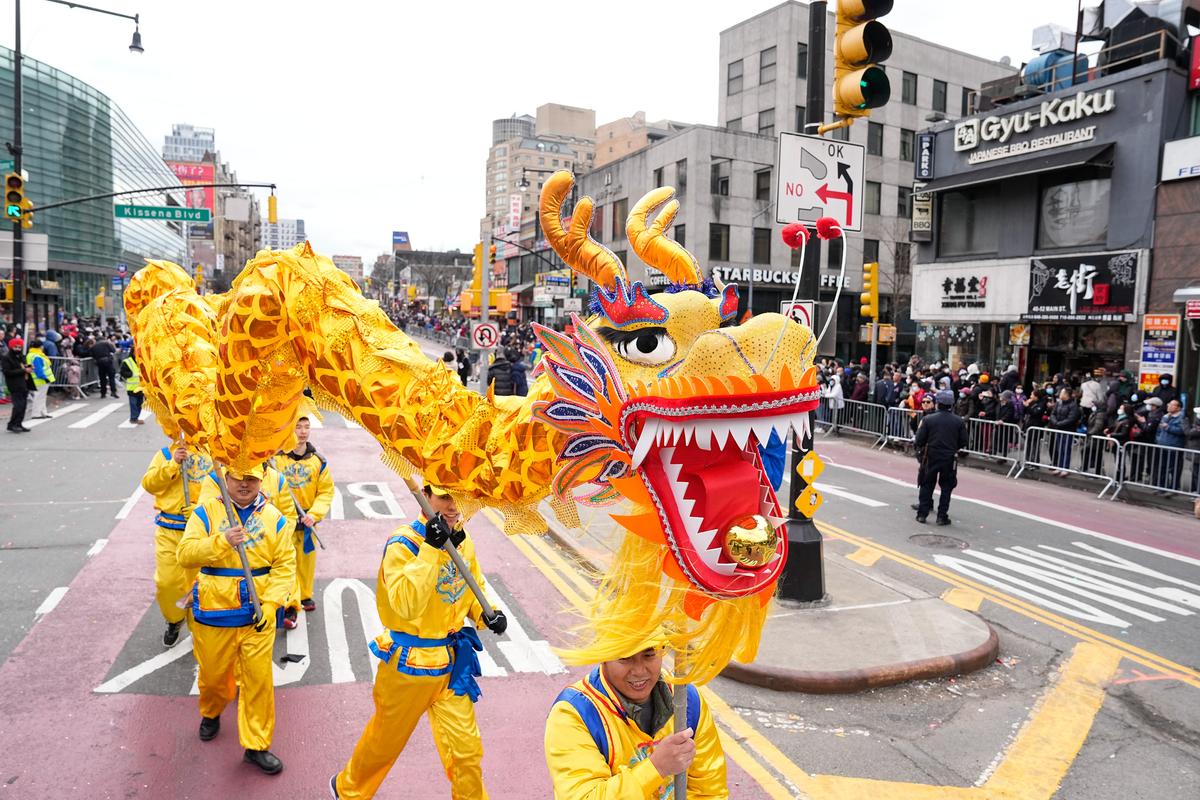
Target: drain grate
[{"x": 938, "y": 542}]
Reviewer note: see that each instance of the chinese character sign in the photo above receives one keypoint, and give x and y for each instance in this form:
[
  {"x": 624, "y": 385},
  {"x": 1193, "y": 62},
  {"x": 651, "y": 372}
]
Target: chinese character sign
[
  {"x": 1160, "y": 345},
  {"x": 1089, "y": 288}
]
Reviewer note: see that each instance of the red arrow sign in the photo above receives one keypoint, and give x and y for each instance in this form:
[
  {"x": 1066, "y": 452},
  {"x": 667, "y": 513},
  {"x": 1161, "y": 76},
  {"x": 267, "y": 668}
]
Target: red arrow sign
[{"x": 824, "y": 193}]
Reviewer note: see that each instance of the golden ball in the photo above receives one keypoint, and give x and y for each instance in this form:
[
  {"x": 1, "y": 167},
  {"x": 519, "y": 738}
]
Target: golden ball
[{"x": 751, "y": 541}]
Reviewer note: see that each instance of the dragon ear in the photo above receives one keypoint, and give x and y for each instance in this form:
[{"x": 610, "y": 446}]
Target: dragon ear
[{"x": 581, "y": 253}]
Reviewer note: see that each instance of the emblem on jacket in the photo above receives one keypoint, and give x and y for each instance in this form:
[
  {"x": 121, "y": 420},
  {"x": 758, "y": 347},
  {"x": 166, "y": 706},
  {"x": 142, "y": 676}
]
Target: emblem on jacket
[
  {"x": 197, "y": 466},
  {"x": 297, "y": 474},
  {"x": 450, "y": 585},
  {"x": 253, "y": 526}
]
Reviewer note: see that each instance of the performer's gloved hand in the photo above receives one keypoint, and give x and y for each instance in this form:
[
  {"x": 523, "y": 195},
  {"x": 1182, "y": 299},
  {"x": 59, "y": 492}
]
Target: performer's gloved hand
[
  {"x": 436, "y": 532},
  {"x": 457, "y": 536},
  {"x": 267, "y": 618},
  {"x": 497, "y": 623}
]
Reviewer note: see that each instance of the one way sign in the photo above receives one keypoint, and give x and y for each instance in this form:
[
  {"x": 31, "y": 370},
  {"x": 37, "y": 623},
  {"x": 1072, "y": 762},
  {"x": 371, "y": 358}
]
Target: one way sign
[{"x": 819, "y": 177}]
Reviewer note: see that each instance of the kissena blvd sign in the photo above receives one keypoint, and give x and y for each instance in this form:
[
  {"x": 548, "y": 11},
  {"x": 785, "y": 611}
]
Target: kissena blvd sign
[{"x": 972, "y": 133}]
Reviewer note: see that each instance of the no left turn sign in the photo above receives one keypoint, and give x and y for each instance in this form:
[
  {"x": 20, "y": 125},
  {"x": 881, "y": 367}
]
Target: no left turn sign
[{"x": 484, "y": 335}]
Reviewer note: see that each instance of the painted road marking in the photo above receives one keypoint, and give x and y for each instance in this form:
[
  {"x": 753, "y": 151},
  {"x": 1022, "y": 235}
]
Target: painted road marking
[
  {"x": 867, "y": 556},
  {"x": 966, "y": 599},
  {"x": 145, "y": 415},
  {"x": 337, "y": 508},
  {"x": 51, "y": 602},
  {"x": 350, "y": 423},
  {"x": 1144, "y": 657},
  {"x": 96, "y": 416},
  {"x": 1066, "y": 526},
  {"x": 55, "y": 414},
  {"x": 96, "y": 547},
  {"x": 837, "y": 491},
  {"x": 314, "y": 423},
  {"x": 375, "y": 500},
  {"x": 131, "y": 502},
  {"x": 135, "y": 673}
]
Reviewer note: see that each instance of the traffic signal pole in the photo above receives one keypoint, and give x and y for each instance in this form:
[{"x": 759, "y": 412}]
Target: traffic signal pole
[
  {"x": 15, "y": 149},
  {"x": 803, "y": 578},
  {"x": 485, "y": 301}
]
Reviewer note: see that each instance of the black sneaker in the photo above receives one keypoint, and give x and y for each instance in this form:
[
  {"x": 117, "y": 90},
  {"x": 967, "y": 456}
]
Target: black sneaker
[
  {"x": 915, "y": 507},
  {"x": 209, "y": 728},
  {"x": 921, "y": 518},
  {"x": 943, "y": 520},
  {"x": 333, "y": 792},
  {"x": 308, "y": 604},
  {"x": 265, "y": 760},
  {"x": 171, "y": 634}
]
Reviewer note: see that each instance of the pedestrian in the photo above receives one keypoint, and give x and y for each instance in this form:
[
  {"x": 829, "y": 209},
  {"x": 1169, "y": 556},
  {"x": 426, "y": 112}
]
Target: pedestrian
[
  {"x": 464, "y": 365},
  {"x": 173, "y": 502},
  {"x": 19, "y": 382},
  {"x": 428, "y": 659},
  {"x": 310, "y": 490},
  {"x": 861, "y": 389},
  {"x": 1064, "y": 419},
  {"x": 612, "y": 735},
  {"x": 104, "y": 354},
  {"x": 1172, "y": 432},
  {"x": 1165, "y": 391},
  {"x": 1120, "y": 392},
  {"x": 1009, "y": 380},
  {"x": 233, "y": 649},
  {"x": 500, "y": 375},
  {"x": 42, "y": 375},
  {"x": 132, "y": 376},
  {"x": 939, "y": 438},
  {"x": 1092, "y": 393},
  {"x": 520, "y": 372},
  {"x": 74, "y": 375}
]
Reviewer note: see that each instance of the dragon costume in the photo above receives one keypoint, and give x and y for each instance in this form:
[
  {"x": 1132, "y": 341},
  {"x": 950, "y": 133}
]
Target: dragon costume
[{"x": 660, "y": 400}]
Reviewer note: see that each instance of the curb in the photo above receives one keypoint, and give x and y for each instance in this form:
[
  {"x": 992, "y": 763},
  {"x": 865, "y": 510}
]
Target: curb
[{"x": 857, "y": 680}]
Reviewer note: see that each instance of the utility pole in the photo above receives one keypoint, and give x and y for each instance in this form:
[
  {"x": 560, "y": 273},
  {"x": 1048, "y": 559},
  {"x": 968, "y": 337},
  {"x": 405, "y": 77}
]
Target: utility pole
[
  {"x": 803, "y": 576},
  {"x": 485, "y": 300},
  {"x": 15, "y": 149}
]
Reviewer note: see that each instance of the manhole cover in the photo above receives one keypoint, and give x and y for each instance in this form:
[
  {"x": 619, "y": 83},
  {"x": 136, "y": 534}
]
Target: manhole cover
[{"x": 938, "y": 541}]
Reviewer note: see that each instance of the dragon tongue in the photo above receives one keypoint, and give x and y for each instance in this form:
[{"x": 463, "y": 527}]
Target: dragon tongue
[{"x": 723, "y": 484}]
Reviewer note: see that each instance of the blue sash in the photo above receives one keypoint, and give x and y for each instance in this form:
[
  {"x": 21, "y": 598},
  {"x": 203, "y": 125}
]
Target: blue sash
[{"x": 464, "y": 665}]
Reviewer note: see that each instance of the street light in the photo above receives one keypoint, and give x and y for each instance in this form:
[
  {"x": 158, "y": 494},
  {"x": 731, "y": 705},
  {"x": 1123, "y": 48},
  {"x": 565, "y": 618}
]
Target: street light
[{"x": 16, "y": 147}]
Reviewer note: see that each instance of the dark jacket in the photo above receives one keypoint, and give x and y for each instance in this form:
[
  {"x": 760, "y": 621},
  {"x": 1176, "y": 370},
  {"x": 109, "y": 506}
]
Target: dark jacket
[
  {"x": 103, "y": 353},
  {"x": 520, "y": 378},
  {"x": 860, "y": 391},
  {"x": 1009, "y": 381},
  {"x": 940, "y": 436},
  {"x": 500, "y": 376},
  {"x": 13, "y": 365},
  {"x": 1173, "y": 430},
  {"x": 1166, "y": 393},
  {"x": 1065, "y": 416}
]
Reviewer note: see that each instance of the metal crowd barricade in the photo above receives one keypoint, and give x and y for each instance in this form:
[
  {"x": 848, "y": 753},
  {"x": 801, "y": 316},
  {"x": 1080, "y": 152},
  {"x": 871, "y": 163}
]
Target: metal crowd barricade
[
  {"x": 89, "y": 375},
  {"x": 860, "y": 417},
  {"x": 825, "y": 417},
  {"x": 899, "y": 426},
  {"x": 1159, "y": 467},
  {"x": 1003, "y": 441},
  {"x": 1078, "y": 453}
]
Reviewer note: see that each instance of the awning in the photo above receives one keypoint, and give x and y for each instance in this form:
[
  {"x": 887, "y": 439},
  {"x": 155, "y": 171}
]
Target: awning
[
  {"x": 1100, "y": 155},
  {"x": 520, "y": 287}
]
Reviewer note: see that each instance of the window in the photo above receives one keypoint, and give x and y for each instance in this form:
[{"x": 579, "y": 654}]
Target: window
[
  {"x": 681, "y": 176},
  {"x": 795, "y": 257},
  {"x": 766, "y": 65},
  {"x": 939, "y": 95},
  {"x": 903, "y": 264},
  {"x": 658, "y": 177},
  {"x": 554, "y": 162},
  {"x": 681, "y": 235},
  {"x": 799, "y": 119},
  {"x": 1074, "y": 213},
  {"x": 719, "y": 183},
  {"x": 908, "y": 142},
  {"x": 762, "y": 184},
  {"x": 541, "y": 161},
  {"x": 903, "y": 202},
  {"x": 841, "y": 134},
  {"x": 966, "y": 101},
  {"x": 761, "y": 248},
  {"x": 968, "y": 222},
  {"x": 718, "y": 242},
  {"x": 908, "y": 89},
  {"x": 733, "y": 82},
  {"x": 734, "y": 124},
  {"x": 766, "y": 122},
  {"x": 833, "y": 256},
  {"x": 801, "y": 61},
  {"x": 874, "y": 139},
  {"x": 597, "y": 231},
  {"x": 870, "y": 251},
  {"x": 871, "y": 198},
  {"x": 620, "y": 210}
]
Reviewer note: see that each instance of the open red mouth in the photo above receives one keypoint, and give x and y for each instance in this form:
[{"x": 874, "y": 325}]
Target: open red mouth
[{"x": 700, "y": 460}]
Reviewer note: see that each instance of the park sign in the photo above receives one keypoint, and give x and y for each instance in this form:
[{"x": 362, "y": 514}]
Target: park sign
[{"x": 168, "y": 213}]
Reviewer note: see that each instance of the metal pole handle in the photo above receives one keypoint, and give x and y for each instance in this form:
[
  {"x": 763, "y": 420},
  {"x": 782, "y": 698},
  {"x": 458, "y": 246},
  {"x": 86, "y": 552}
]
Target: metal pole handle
[
  {"x": 300, "y": 508},
  {"x": 187, "y": 490},
  {"x": 219, "y": 472},
  {"x": 427, "y": 510},
  {"x": 680, "y": 696}
]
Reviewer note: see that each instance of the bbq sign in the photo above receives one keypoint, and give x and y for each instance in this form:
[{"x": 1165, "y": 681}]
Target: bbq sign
[{"x": 1100, "y": 287}]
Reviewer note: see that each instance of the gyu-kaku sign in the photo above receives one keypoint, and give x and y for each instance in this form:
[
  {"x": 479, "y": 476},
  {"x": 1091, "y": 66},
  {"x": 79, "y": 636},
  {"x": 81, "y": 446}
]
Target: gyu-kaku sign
[
  {"x": 168, "y": 213},
  {"x": 819, "y": 177}
]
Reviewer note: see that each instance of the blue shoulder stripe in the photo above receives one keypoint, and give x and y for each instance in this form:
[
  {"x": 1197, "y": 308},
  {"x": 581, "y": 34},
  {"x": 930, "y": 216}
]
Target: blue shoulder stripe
[
  {"x": 279, "y": 525},
  {"x": 590, "y": 715},
  {"x": 404, "y": 540},
  {"x": 166, "y": 453},
  {"x": 693, "y": 708},
  {"x": 203, "y": 515}
]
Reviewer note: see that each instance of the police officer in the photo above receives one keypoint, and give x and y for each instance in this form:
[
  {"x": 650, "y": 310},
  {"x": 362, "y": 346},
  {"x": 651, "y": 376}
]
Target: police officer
[{"x": 939, "y": 438}]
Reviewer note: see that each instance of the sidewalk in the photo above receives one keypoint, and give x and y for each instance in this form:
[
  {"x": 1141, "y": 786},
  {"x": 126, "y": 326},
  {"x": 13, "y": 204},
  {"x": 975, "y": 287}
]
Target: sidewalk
[{"x": 876, "y": 631}]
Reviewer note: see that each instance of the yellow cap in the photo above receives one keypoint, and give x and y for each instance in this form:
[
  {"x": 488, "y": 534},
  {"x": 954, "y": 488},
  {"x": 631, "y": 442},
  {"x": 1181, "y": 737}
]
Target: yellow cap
[
  {"x": 255, "y": 472},
  {"x": 436, "y": 490},
  {"x": 308, "y": 410}
]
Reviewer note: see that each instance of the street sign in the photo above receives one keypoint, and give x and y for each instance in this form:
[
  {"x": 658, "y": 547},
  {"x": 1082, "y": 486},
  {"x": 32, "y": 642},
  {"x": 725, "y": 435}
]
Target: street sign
[
  {"x": 573, "y": 304},
  {"x": 819, "y": 177},
  {"x": 122, "y": 269},
  {"x": 1193, "y": 309},
  {"x": 7, "y": 165},
  {"x": 117, "y": 283},
  {"x": 801, "y": 311},
  {"x": 169, "y": 213},
  {"x": 484, "y": 335}
]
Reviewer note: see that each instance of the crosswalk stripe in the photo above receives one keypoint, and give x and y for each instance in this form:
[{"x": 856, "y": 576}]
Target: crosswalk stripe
[
  {"x": 313, "y": 422},
  {"x": 96, "y": 416},
  {"x": 55, "y": 414},
  {"x": 350, "y": 423},
  {"x": 145, "y": 415}
]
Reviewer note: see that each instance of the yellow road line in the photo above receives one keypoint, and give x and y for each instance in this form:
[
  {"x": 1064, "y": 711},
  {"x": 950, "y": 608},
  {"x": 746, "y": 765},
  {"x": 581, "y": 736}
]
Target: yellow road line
[
  {"x": 1075, "y": 629},
  {"x": 966, "y": 599},
  {"x": 572, "y": 570}
]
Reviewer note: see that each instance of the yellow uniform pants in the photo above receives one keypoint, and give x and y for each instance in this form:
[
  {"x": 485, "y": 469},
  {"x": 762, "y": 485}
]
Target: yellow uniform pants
[
  {"x": 171, "y": 581},
  {"x": 230, "y": 658},
  {"x": 306, "y": 568},
  {"x": 400, "y": 701}
]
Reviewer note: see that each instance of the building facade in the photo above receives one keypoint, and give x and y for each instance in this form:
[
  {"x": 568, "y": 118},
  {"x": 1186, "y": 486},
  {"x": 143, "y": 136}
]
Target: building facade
[
  {"x": 1036, "y": 227},
  {"x": 283, "y": 234},
  {"x": 351, "y": 265},
  {"x": 189, "y": 143},
  {"x": 78, "y": 142},
  {"x": 762, "y": 88},
  {"x": 623, "y": 136}
]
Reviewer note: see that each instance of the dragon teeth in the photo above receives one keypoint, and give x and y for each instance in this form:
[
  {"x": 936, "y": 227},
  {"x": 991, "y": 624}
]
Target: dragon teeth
[{"x": 645, "y": 439}]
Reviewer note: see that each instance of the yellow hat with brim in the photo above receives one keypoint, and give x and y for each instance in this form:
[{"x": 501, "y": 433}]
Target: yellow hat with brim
[
  {"x": 255, "y": 472},
  {"x": 308, "y": 410},
  {"x": 437, "y": 491}
]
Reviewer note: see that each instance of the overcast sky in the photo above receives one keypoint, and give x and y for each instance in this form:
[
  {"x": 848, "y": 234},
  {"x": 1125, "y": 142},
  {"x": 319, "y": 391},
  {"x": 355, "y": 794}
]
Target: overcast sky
[{"x": 376, "y": 116}]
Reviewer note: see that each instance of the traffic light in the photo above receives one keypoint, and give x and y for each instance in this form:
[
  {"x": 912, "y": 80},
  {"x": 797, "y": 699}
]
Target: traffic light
[
  {"x": 6, "y": 291},
  {"x": 14, "y": 196},
  {"x": 861, "y": 43},
  {"x": 272, "y": 211},
  {"x": 492, "y": 255},
  {"x": 870, "y": 294},
  {"x": 26, "y": 213}
]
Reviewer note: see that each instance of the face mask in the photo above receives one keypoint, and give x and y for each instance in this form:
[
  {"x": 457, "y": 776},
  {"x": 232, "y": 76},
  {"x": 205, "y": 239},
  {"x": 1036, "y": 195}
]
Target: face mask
[{"x": 1164, "y": 381}]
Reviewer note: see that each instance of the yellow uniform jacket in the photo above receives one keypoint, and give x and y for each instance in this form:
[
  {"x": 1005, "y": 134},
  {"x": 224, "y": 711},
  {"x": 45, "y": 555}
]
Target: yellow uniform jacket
[
  {"x": 163, "y": 480},
  {"x": 220, "y": 597},
  {"x": 423, "y": 602},
  {"x": 595, "y": 752},
  {"x": 310, "y": 484}
]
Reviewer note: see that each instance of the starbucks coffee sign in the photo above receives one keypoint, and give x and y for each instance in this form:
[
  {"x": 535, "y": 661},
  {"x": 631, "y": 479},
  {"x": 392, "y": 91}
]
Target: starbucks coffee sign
[{"x": 975, "y": 134}]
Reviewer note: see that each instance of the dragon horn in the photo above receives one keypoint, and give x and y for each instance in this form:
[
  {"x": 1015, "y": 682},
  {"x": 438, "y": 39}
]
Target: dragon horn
[
  {"x": 580, "y": 252},
  {"x": 653, "y": 245}
]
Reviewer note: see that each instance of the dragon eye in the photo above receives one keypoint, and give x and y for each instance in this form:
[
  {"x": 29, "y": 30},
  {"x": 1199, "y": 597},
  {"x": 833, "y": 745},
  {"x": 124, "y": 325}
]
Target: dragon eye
[{"x": 650, "y": 346}]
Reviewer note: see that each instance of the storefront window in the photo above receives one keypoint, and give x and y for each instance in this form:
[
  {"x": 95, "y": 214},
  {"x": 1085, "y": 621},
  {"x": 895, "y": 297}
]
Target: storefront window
[
  {"x": 1074, "y": 214},
  {"x": 956, "y": 344},
  {"x": 969, "y": 222}
]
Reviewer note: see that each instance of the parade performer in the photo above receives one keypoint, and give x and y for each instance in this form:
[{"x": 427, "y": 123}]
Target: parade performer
[
  {"x": 310, "y": 488},
  {"x": 428, "y": 662},
  {"x": 174, "y": 479},
  {"x": 233, "y": 650},
  {"x": 612, "y": 736}
]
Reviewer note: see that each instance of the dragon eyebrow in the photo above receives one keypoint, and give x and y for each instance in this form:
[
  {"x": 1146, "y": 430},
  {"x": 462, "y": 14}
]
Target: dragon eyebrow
[{"x": 619, "y": 336}]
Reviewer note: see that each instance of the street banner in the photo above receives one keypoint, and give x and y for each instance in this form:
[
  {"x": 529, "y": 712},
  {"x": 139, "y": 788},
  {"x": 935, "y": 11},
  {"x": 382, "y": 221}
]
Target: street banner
[{"x": 1160, "y": 349}]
